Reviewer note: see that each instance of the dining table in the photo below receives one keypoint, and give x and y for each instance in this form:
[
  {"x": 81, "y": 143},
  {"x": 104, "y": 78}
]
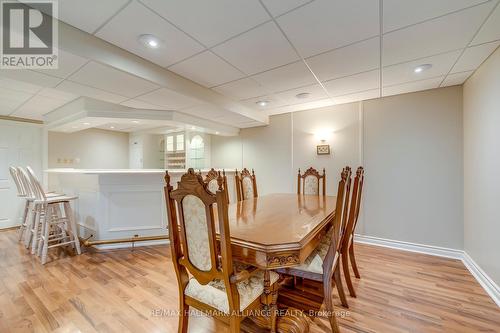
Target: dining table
[{"x": 276, "y": 231}]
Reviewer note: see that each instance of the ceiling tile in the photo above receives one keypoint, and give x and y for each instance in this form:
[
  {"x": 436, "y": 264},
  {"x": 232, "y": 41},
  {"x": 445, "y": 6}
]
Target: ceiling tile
[
  {"x": 490, "y": 30},
  {"x": 137, "y": 104},
  {"x": 361, "y": 96},
  {"x": 113, "y": 80},
  {"x": 474, "y": 56},
  {"x": 412, "y": 86},
  {"x": 88, "y": 15},
  {"x": 18, "y": 85},
  {"x": 258, "y": 50},
  {"x": 205, "y": 111},
  {"x": 456, "y": 79},
  {"x": 286, "y": 77},
  {"x": 352, "y": 84},
  {"x": 278, "y": 7},
  {"x": 31, "y": 78},
  {"x": 302, "y": 106},
  {"x": 242, "y": 89},
  {"x": 323, "y": 25},
  {"x": 352, "y": 59},
  {"x": 443, "y": 34},
  {"x": 82, "y": 90},
  {"x": 401, "y": 13},
  {"x": 207, "y": 69},
  {"x": 37, "y": 106},
  {"x": 273, "y": 102},
  {"x": 57, "y": 94},
  {"x": 67, "y": 64},
  {"x": 315, "y": 91},
  {"x": 11, "y": 99},
  {"x": 441, "y": 65},
  {"x": 169, "y": 99},
  {"x": 135, "y": 20},
  {"x": 211, "y": 22}
]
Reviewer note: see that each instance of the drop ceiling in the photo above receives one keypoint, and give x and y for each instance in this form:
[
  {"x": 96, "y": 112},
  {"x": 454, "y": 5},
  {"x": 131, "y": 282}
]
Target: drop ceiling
[{"x": 247, "y": 51}]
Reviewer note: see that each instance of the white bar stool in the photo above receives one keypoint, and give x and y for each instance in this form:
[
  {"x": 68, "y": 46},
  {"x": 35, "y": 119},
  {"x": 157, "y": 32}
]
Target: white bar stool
[
  {"x": 50, "y": 228},
  {"x": 29, "y": 193},
  {"x": 21, "y": 193}
]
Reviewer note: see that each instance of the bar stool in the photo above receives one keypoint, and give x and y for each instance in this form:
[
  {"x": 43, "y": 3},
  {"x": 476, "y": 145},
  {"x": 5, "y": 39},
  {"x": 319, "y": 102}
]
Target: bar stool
[
  {"x": 21, "y": 193},
  {"x": 51, "y": 228},
  {"x": 29, "y": 195}
]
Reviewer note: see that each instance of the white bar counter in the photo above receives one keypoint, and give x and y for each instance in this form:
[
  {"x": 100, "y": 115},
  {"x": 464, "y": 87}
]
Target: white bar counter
[{"x": 120, "y": 203}]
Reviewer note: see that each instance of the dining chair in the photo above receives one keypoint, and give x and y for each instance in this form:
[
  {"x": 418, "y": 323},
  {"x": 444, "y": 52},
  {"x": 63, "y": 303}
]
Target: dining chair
[
  {"x": 309, "y": 182},
  {"x": 347, "y": 248},
  {"x": 50, "y": 227},
  {"x": 211, "y": 181},
  {"x": 323, "y": 264},
  {"x": 208, "y": 279},
  {"x": 246, "y": 185}
]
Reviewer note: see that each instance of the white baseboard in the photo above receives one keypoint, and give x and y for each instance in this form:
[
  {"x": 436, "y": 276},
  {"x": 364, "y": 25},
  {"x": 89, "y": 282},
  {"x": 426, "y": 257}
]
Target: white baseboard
[{"x": 484, "y": 280}]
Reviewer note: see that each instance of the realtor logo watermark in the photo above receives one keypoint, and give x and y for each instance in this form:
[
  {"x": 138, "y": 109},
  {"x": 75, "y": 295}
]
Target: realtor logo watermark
[{"x": 29, "y": 36}]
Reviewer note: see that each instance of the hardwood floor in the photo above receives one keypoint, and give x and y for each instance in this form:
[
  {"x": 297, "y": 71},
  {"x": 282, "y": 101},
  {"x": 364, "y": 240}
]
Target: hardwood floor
[{"x": 125, "y": 291}]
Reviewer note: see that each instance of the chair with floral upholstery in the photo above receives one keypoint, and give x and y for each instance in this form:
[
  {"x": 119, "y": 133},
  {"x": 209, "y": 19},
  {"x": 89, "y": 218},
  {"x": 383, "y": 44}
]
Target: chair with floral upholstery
[
  {"x": 308, "y": 183},
  {"x": 246, "y": 185},
  {"x": 208, "y": 280},
  {"x": 211, "y": 181},
  {"x": 323, "y": 263}
]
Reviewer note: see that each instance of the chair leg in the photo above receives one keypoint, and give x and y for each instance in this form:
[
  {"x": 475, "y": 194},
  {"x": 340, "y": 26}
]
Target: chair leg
[
  {"x": 36, "y": 227},
  {"x": 340, "y": 287},
  {"x": 31, "y": 222},
  {"x": 24, "y": 223},
  {"x": 328, "y": 301},
  {"x": 183, "y": 316},
  {"x": 347, "y": 274},
  {"x": 353, "y": 261},
  {"x": 45, "y": 236},
  {"x": 234, "y": 324},
  {"x": 72, "y": 224}
]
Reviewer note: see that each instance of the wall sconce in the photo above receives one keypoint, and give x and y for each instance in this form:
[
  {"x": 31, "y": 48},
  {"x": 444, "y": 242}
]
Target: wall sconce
[{"x": 323, "y": 136}]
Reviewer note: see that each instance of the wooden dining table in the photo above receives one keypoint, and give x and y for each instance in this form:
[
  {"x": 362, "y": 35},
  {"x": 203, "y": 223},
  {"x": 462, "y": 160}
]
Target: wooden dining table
[{"x": 277, "y": 231}]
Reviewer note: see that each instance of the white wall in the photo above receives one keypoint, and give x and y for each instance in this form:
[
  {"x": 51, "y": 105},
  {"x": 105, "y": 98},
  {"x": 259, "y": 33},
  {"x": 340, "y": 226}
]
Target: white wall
[
  {"x": 88, "y": 149},
  {"x": 482, "y": 166},
  {"x": 413, "y": 159},
  {"x": 410, "y": 145},
  {"x": 20, "y": 145}
]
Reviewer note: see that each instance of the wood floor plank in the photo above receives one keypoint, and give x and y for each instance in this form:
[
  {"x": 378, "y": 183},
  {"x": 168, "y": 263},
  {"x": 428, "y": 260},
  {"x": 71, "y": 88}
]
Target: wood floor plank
[{"x": 136, "y": 291}]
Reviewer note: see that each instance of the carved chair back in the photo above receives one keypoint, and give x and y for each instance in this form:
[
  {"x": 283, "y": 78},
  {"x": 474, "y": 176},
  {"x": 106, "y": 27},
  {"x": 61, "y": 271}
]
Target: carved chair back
[
  {"x": 211, "y": 181},
  {"x": 357, "y": 191},
  {"x": 192, "y": 229},
  {"x": 331, "y": 259},
  {"x": 246, "y": 184},
  {"x": 309, "y": 182}
]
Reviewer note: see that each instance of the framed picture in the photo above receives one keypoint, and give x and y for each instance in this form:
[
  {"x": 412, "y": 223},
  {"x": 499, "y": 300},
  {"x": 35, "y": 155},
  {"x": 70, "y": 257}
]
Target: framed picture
[{"x": 323, "y": 149}]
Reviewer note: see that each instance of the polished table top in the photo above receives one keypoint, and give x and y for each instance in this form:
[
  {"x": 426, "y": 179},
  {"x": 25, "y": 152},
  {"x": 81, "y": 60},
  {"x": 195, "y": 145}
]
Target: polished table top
[{"x": 279, "y": 221}]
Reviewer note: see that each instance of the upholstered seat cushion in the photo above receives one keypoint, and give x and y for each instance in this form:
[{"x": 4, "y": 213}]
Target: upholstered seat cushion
[
  {"x": 214, "y": 293},
  {"x": 314, "y": 263}
]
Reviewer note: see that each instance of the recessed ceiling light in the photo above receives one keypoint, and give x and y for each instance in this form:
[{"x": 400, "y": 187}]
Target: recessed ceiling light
[
  {"x": 74, "y": 127},
  {"x": 217, "y": 133},
  {"x": 150, "y": 41},
  {"x": 421, "y": 68},
  {"x": 262, "y": 103},
  {"x": 192, "y": 127},
  {"x": 86, "y": 124},
  {"x": 112, "y": 127},
  {"x": 135, "y": 121},
  {"x": 303, "y": 95}
]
